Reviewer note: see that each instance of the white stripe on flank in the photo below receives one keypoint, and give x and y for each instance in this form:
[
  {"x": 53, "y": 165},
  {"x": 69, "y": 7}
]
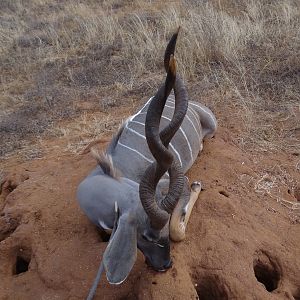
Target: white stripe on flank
[
  {"x": 133, "y": 116},
  {"x": 193, "y": 126},
  {"x": 171, "y": 100},
  {"x": 190, "y": 122},
  {"x": 213, "y": 117},
  {"x": 169, "y": 106},
  {"x": 132, "y": 130},
  {"x": 137, "y": 152},
  {"x": 137, "y": 122},
  {"x": 187, "y": 141},
  {"x": 196, "y": 116},
  {"x": 190, "y": 110},
  {"x": 176, "y": 152},
  {"x": 197, "y": 105}
]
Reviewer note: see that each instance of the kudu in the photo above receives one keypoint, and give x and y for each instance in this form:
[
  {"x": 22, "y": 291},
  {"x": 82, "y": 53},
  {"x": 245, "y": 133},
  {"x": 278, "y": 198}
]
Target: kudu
[{"x": 143, "y": 172}]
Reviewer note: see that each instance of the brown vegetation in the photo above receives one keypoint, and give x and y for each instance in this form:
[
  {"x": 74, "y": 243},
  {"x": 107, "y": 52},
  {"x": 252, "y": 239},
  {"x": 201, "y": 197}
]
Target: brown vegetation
[{"x": 237, "y": 55}]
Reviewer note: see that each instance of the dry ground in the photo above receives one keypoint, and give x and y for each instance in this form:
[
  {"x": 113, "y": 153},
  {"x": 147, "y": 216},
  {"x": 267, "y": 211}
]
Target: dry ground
[{"x": 72, "y": 71}]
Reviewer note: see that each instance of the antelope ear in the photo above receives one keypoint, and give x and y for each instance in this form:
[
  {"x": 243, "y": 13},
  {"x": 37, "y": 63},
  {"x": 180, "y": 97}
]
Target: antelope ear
[{"x": 120, "y": 254}]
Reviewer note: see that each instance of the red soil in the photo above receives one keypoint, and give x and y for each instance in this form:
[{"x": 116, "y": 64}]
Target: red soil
[{"x": 238, "y": 234}]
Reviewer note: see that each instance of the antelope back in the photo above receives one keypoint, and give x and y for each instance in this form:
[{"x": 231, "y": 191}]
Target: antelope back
[{"x": 131, "y": 145}]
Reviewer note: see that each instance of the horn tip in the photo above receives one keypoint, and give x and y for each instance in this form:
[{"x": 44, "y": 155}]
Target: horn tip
[{"x": 172, "y": 65}]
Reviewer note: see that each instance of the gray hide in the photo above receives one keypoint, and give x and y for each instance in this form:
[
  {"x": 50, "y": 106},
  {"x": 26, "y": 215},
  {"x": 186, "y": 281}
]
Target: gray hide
[{"x": 130, "y": 154}]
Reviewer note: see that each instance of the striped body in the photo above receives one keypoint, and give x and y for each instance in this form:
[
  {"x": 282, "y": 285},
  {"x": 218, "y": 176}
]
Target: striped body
[{"x": 131, "y": 154}]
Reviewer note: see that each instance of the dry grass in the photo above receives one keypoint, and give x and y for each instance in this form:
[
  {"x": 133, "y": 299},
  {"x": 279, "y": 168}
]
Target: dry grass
[
  {"x": 278, "y": 184},
  {"x": 86, "y": 130},
  {"x": 241, "y": 57}
]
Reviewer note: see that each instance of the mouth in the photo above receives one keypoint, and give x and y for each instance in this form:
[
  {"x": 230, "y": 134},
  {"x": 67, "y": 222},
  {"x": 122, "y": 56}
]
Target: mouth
[{"x": 162, "y": 269}]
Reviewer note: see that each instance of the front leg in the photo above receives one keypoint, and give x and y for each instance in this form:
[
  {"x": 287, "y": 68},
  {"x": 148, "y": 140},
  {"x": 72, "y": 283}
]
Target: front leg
[{"x": 183, "y": 210}]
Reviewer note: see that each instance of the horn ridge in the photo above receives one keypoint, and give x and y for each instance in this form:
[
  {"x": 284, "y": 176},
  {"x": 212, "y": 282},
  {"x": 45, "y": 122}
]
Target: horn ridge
[
  {"x": 158, "y": 217},
  {"x": 164, "y": 158},
  {"x": 159, "y": 151},
  {"x": 181, "y": 106},
  {"x": 158, "y": 145},
  {"x": 175, "y": 172}
]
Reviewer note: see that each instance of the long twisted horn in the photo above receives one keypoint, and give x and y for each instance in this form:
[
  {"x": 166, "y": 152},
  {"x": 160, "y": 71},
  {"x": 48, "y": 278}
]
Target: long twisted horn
[
  {"x": 158, "y": 217},
  {"x": 154, "y": 113},
  {"x": 181, "y": 105},
  {"x": 175, "y": 172}
]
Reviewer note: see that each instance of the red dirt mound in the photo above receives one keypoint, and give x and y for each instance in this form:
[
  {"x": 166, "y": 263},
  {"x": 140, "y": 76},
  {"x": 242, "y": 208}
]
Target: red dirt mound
[{"x": 242, "y": 241}]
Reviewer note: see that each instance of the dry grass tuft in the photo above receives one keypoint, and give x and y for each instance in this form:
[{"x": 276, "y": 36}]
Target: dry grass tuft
[
  {"x": 86, "y": 130},
  {"x": 278, "y": 184},
  {"x": 241, "y": 57}
]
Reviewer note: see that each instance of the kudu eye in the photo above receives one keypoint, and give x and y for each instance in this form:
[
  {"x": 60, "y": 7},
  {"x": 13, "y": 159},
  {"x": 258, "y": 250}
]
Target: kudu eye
[
  {"x": 159, "y": 245},
  {"x": 148, "y": 239},
  {"x": 151, "y": 235}
]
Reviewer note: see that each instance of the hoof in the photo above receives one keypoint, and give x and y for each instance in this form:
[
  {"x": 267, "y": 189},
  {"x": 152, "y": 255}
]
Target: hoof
[{"x": 196, "y": 186}]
